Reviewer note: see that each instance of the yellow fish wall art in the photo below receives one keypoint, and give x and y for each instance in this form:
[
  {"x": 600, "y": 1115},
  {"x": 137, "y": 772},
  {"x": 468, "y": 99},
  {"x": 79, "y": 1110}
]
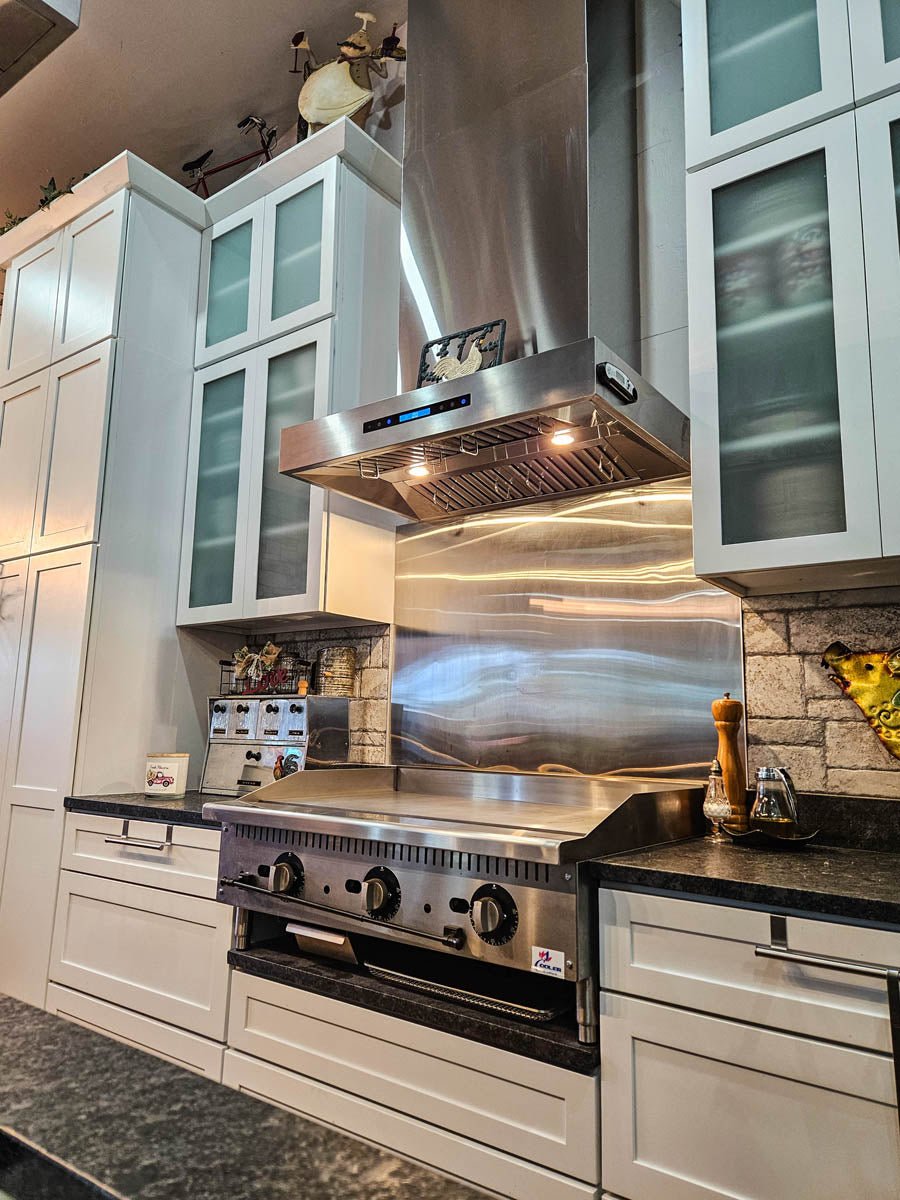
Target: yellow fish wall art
[{"x": 872, "y": 681}]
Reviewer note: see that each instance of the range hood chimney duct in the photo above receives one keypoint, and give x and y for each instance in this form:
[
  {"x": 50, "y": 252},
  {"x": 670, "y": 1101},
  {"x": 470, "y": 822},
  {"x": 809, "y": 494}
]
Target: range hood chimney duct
[{"x": 519, "y": 202}]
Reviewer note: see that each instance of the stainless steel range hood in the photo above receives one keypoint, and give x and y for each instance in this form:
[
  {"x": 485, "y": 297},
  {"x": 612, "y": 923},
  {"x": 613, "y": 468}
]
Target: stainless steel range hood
[
  {"x": 503, "y": 438},
  {"x": 519, "y": 202}
]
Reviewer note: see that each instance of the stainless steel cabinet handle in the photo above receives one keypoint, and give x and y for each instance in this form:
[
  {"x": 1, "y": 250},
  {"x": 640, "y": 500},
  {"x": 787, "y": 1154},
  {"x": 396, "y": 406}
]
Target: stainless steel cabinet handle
[
  {"x": 890, "y": 975},
  {"x": 124, "y": 839},
  {"x": 825, "y": 964}
]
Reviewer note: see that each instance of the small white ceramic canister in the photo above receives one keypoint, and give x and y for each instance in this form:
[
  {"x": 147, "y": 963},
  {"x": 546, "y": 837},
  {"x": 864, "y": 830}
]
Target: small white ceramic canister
[{"x": 167, "y": 774}]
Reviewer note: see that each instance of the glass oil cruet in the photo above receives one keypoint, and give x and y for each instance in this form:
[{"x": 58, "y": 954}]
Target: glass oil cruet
[
  {"x": 716, "y": 807},
  {"x": 775, "y": 807}
]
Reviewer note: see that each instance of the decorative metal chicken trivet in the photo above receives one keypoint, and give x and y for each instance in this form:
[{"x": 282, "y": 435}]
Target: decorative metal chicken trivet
[
  {"x": 872, "y": 681},
  {"x": 458, "y": 354}
]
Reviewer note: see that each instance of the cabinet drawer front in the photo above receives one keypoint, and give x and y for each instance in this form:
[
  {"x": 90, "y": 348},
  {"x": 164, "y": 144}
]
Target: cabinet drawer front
[
  {"x": 701, "y": 956},
  {"x": 813, "y": 1121},
  {"x": 174, "y": 1045},
  {"x": 160, "y": 954},
  {"x": 26, "y": 326},
  {"x": 187, "y": 863},
  {"x": 90, "y": 277},
  {"x": 472, "y": 1090},
  {"x": 477, "y": 1163}
]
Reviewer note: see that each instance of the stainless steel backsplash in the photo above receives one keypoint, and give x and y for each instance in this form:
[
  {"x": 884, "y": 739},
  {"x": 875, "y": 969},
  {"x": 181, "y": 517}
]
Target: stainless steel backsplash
[{"x": 570, "y": 636}]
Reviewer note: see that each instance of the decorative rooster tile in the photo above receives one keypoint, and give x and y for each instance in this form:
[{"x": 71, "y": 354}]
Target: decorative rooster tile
[{"x": 872, "y": 681}]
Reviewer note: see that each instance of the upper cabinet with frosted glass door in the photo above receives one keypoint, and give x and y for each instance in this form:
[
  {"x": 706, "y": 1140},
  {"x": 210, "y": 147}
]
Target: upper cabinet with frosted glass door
[
  {"x": 756, "y": 69},
  {"x": 270, "y": 267},
  {"x": 781, "y": 404},
  {"x": 878, "y": 134},
  {"x": 875, "y": 38}
]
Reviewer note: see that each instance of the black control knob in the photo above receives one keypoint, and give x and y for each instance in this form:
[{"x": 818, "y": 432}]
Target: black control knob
[
  {"x": 271, "y": 708},
  {"x": 494, "y": 915},
  {"x": 253, "y": 755},
  {"x": 218, "y": 708},
  {"x": 296, "y": 708},
  {"x": 381, "y": 893}
]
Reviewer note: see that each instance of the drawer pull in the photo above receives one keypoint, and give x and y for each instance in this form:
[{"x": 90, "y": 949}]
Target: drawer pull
[
  {"x": 137, "y": 843},
  {"x": 890, "y": 975}
]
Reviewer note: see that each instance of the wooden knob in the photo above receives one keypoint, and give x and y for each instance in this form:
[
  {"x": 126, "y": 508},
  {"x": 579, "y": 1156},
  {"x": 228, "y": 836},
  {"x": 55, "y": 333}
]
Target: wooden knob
[{"x": 728, "y": 714}]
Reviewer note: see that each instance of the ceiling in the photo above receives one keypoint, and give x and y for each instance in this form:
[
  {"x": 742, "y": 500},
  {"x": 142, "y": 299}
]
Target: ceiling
[{"x": 168, "y": 80}]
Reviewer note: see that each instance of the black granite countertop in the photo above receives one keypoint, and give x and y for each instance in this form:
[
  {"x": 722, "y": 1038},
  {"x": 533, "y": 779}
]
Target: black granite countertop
[
  {"x": 153, "y": 1131},
  {"x": 830, "y": 881},
  {"x": 555, "y": 1042},
  {"x": 135, "y": 806}
]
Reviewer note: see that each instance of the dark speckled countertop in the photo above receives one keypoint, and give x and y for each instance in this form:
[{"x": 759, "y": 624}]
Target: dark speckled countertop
[
  {"x": 153, "y": 1131},
  {"x": 135, "y": 806},
  {"x": 841, "y": 882}
]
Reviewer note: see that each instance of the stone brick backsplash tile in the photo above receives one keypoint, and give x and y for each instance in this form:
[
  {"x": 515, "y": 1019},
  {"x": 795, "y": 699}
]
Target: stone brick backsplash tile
[
  {"x": 805, "y": 763},
  {"x": 772, "y": 731},
  {"x": 796, "y": 715},
  {"x": 373, "y": 683},
  {"x": 854, "y": 746},
  {"x": 765, "y": 633},
  {"x": 774, "y": 686},
  {"x": 864, "y": 783}
]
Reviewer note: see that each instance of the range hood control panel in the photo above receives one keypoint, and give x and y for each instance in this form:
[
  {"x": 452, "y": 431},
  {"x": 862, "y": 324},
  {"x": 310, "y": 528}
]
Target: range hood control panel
[{"x": 416, "y": 414}]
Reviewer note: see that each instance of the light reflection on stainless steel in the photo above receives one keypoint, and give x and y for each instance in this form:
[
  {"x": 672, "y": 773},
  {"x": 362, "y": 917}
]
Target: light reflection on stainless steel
[{"x": 571, "y": 636}]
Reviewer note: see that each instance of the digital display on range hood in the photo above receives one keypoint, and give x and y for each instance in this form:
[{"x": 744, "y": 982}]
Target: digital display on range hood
[{"x": 416, "y": 414}]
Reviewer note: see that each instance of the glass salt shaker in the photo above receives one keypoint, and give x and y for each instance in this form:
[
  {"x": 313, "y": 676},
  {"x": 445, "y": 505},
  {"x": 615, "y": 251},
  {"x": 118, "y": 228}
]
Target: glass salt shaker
[{"x": 716, "y": 806}]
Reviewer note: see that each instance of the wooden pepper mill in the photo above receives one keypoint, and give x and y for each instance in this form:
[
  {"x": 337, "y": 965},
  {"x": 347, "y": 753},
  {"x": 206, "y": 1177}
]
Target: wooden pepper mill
[{"x": 728, "y": 714}]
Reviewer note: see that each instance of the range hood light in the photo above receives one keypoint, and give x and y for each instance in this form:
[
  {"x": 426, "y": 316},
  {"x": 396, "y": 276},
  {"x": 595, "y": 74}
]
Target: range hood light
[
  {"x": 563, "y": 437},
  {"x": 420, "y": 470}
]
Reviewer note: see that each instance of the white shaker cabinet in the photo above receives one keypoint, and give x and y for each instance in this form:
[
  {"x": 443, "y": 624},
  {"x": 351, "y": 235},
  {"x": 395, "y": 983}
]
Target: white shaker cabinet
[
  {"x": 38, "y": 769},
  {"x": 13, "y": 580},
  {"x": 754, "y": 71},
  {"x": 92, "y": 258},
  {"x": 29, "y": 309},
  {"x": 782, "y": 424},
  {"x": 878, "y": 126},
  {"x": 23, "y": 411}
]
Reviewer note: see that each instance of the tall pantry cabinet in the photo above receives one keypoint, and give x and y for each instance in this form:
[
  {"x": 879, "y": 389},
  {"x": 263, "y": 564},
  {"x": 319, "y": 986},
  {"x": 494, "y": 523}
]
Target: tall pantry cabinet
[{"x": 96, "y": 367}]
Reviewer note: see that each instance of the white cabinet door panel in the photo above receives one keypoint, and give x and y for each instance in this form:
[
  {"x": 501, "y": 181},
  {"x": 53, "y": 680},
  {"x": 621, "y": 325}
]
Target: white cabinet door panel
[
  {"x": 31, "y": 839},
  {"x": 90, "y": 277},
  {"x": 188, "y": 861},
  {"x": 156, "y": 952},
  {"x": 13, "y": 582},
  {"x": 47, "y": 699},
  {"x": 755, "y": 71},
  {"x": 165, "y": 1041},
  {"x": 814, "y": 1121},
  {"x": 298, "y": 260},
  {"x": 23, "y": 408},
  {"x": 74, "y": 449},
  {"x": 29, "y": 308},
  {"x": 781, "y": 415},
  {"x": 477, "y": 1162}
]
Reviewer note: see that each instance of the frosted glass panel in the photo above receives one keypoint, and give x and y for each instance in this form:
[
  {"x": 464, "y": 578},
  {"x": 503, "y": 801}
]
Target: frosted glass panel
[
  {"x": 284, "y": 514},
  {"x": 890, "y": 24},
  {"x": 779, "y": 430},
  {"x": 218, "y": 476},
  {"x": 229, "y": 284},
  {"x": 298, "y": 251},
  {"x": 763, "y": 54}
]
